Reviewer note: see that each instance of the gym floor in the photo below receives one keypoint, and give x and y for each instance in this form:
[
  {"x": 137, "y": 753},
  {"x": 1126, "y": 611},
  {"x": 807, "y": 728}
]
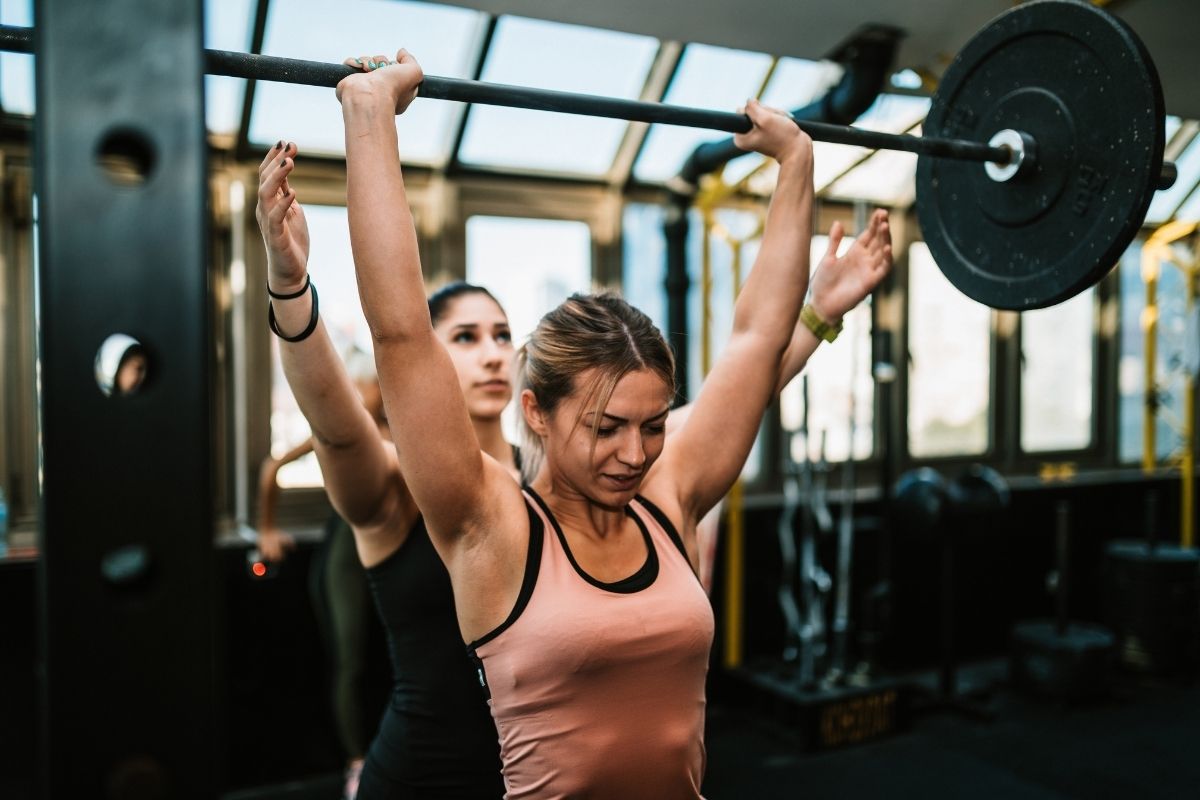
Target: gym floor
[{"x": 1142, "y": 743}]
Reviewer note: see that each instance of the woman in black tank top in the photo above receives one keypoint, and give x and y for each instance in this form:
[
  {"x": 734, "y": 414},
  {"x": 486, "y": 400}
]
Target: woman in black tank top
[
  {"x": 437, "y": 735},
  {"x": 436, "y": 738}
]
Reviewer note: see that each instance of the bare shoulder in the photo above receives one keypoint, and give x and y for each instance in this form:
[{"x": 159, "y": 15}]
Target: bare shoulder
[
  {"x": 503, "y": 520},
  {"x": 663, "y": 484},
  {"x": 488, "y": 562},
  {"x": 497, "y": 525},
  {"x": 664, "y": 494},
  {"x": 661, "y": 489}
]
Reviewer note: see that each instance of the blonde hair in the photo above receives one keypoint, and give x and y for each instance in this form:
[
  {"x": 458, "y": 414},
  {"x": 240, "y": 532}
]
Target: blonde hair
[{"x": 587, "y": 331}]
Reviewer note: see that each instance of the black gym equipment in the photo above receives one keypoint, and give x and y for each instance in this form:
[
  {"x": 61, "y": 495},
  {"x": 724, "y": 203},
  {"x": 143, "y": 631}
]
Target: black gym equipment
[
  {"x": 1064, "y": 660},
  {"x": 126, "y": 589},
  {"x": 1152, "y": 602},
  {"x": 925, "y": 502},
  {"x": 813, "y": 695},
  {"x": 802, "y": 575},
  {"x": 839, "y": 662},
  {"x": 1057, "y": 101},
  {"x": 1082, "y": 92},
  {"x": 793, "y": 506}
]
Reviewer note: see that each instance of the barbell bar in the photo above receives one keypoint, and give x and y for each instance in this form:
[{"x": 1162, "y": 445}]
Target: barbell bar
[
  {"x": 1062, "y": 160},
  {"x": 315, "y": 73}
]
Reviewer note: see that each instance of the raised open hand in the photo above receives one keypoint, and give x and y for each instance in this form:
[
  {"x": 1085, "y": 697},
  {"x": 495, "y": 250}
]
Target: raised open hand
[
  {"x": 840, "y": 284},
  {"x": 281, "y": 220}
]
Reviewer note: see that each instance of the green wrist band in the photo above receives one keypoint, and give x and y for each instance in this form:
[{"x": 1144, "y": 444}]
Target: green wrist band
[{"x": 820, "y": 328}]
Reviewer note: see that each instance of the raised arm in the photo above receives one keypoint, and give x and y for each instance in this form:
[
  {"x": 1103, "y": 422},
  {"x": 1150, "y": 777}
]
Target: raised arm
[
  {"x": 362, "y": 481},
  {"x": 839, "y": 284},
  {"x": 702, "y": 459},
  {"x": 436, "y": 444}
]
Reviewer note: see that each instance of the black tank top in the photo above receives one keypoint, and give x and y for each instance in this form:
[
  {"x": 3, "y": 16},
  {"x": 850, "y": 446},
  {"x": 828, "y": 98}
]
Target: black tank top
[{"x": 437, "y": 737}]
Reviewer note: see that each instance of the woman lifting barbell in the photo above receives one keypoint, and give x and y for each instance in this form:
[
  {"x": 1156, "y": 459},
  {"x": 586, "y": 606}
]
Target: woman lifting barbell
[{"x": 540, "y": 607}]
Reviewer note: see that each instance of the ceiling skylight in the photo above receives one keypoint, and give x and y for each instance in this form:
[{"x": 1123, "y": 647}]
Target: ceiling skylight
[
  {"x": 446, "y": 40},
  {"x": 565, "y": 58}
]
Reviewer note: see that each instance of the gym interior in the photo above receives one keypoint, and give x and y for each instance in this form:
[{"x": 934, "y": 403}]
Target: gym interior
[{"x": 960, "y": 560}]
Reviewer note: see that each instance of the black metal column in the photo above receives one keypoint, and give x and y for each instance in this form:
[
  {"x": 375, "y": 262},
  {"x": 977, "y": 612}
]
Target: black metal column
[
  {"x": 676, "y": 283},
  {"x": 126, "y": 521}
]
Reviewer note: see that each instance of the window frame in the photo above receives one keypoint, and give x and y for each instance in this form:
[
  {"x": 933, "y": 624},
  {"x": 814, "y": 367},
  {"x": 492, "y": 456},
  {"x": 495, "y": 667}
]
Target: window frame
[{"x": 19, "y": 417}]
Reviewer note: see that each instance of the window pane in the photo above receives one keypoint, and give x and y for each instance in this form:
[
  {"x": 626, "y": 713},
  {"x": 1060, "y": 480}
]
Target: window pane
[
  {"x": 16, "y": 69},
  {"x": 890, "y": 113},
  {"x": 644, "y": 261},
  {"x": 332, "y": 268},
  {"x": 314, "y": 30},
  {"x": 565, "y": 58},
  {"x": 888, "y": 178},
  {"x": 949, "y": 344},
  {"x": 708, "y": 77},
  {"x": 1167, "y": 200},
  {"x": 795, "y": 83},
  {"x": 530, "y": 266},
  {"x": 833, "y": 371},
  {"x": 1056, "y": 375},
  {"x": 1191, "y": 209},
  {"x": 1172, "y": 127},
  {"x": 1172, "y": 325},
  {"x": 226, "y": 27}
]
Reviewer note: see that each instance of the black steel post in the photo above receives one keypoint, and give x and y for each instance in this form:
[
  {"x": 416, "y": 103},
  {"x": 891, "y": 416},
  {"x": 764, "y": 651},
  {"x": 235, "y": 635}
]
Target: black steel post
[
  {"x": 1062, "y": 557},
  {"x": 126, "y": 568},
  {"x": 676, "y": 283}
]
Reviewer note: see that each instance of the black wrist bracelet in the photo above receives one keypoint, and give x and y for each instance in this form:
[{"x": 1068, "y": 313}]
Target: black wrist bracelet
[
  {"x": 293, "y": 295},
  {"x": 312, "y": 322}
]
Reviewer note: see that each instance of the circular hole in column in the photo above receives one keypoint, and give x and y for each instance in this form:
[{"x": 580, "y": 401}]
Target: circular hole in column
[
  {"x": 126, "y": 156},
  {"x": 122, "y": 366}
]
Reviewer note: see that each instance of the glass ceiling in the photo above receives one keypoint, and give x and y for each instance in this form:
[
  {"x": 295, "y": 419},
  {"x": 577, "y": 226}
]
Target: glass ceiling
[
  {"x": 707, "y": 77},
  {"x": 1167, "y": 202},
  {"x": 462, "y": 43},
  {"x": 226, "y": 27},
  {"x": 586, "y": 60},
  {"x": 445, "y": 39}
]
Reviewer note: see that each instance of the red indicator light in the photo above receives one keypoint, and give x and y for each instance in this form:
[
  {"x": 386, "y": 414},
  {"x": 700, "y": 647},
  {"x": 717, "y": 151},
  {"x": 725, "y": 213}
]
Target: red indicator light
[{"x": 259, "y": 569}]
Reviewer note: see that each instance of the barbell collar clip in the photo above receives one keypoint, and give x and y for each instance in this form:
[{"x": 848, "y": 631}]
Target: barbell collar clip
[{"x": 1022, "y": 155}]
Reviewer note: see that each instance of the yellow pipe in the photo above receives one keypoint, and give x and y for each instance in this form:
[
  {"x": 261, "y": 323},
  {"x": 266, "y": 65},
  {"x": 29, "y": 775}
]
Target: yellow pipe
[
  {"x": 706, "y": 294},
  {"x": 735, "y": 525},
  {"x": 1154, "y": 252}
]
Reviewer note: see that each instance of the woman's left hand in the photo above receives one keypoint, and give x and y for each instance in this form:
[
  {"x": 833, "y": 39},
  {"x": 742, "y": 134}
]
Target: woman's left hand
[
  {"x": 399, "y": 78},
  {"x": 775, "y": 134},
  {"x": 840, "y": 284}
]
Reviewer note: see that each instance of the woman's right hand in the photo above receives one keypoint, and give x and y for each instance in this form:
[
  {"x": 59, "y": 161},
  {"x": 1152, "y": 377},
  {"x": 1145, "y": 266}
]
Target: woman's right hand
[
  {"x": 775, "y": 134},
  {"x": 399, "y": 79},
  {"x": 281, "y": 221},
  {"x": 274, "y": 544}
]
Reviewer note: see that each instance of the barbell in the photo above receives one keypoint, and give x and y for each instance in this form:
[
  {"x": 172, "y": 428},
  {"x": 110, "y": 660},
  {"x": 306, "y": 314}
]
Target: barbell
[{"x": 1043, "y": 148}]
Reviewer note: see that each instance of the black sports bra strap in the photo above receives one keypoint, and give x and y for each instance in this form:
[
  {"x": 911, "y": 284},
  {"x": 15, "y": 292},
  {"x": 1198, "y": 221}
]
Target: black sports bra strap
[{"x": 666, "y": 524}]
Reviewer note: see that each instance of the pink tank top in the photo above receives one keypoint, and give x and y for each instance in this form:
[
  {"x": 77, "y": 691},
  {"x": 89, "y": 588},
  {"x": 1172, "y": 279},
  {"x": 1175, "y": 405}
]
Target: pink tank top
[{"x": 598, "y": 689}]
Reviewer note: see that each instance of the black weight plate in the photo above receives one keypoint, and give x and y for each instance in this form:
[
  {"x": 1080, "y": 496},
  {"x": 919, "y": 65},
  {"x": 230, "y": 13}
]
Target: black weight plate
[{"x": 1081, "y": 83}]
